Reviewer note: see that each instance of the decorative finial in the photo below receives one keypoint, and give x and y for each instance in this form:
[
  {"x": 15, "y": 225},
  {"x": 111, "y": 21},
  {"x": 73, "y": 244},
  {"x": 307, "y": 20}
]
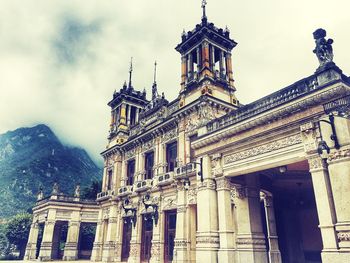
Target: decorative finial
[
  {"x": 130, "y": 73},
  {"x": 323, "y": 49},
  {"x": 154, "y": 86},
  {"x": 204, "y": 3},
  {"x": 155, "y": 72}
]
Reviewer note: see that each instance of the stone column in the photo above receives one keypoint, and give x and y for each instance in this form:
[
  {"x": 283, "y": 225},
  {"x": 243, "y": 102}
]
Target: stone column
[
  {"x": 339, "y": 174},
  {"x": 119, "y": 237},
  {"x": 71, "y": 247},
  {"x": 229, "y": 69},
  {"x": 274, "y": 252},
  {"x": 187, "y": 150},
  {"x": 183, "y": 72},
  {"x": 135, "y": 242},
  {"x": 250, "y": 241},
  {"x": 157, "y": 249},
  {"x": 212, "y": 58},
  {"x": 181, "y": 241},
  {"x": 129, "y": 115},
  {"x": 226, "y": 227},
  {"x": 190, "y": 66},
  {"x": 325, "y": 206},
  {"x": 222, "y": 64},
  {"x": 137, "y": 115},
  {"x": 32, "y": 240},
  {"x": 109, "y": 246},
  {"x": 207, "y": 233},
  {"x": 162, "y": 158},
  {"x": 96, "y": 254},
  {"x": 45, "y": 253},
  {"x": 117, "y": 172},
  {"x": 198, "y": 60}
]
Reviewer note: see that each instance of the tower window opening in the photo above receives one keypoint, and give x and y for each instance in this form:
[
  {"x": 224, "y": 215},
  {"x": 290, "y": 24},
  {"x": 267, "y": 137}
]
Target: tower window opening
[
  {"x": 171, "y": 156},
  {"x": 109, "y": 180},
  {"x": 149, "y": 163},
  {"x": 133, "y": 116},
  {"x": 130, "y": 172}
]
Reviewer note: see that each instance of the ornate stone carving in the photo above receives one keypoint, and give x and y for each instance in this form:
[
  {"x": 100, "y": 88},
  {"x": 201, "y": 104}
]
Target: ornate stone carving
[
  {"x": 207, "y": 184},
  {"x": 155, "y": 250},
  {"x": 169, "y": 135},
  {"x": 250, "y": 241},
  {"x": 135, "y": 250},
  {"x": 338, "y": 155},
  {"x": 131, "y": 153},
  {"x": 239, "y": 192},
  {"x": 309, "y": 136},
  {"x": 192, "y": 196},
  {"x": 181, "y": 209},
  {"x": 216, "y": 165},
  {"x": 261, "y": 149},
  {"x": 169, "y": 203},
  {"x": 180, "y": 243},
  {"x": 343, "y": 236},
  {"x": 316, "y": 162},
  {"x": 147, "y": 145},
  {"x": 208, "y": 240},
  {"x": 223, "y": 183},
  {"x": 105, "y": 213}
]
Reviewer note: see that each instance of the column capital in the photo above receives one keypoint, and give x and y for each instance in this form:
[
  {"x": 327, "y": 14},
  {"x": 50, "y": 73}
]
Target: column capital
[
  {"x": 316, "y": 163},
  {"x": 223, "y": 183},
  {"x": 238, "y": 192}
]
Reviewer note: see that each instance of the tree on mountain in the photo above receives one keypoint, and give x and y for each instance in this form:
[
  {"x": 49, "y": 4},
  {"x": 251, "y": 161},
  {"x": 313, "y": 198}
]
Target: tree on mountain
[
  {"x": 17, "y": 231},
  {"x": 90, "y": 192}
]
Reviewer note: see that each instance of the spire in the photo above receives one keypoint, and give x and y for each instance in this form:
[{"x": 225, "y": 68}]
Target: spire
[
  {"x": 130, "y": 73},
  {"x": 155, "y": 72},
  {"x": 154, "y": 86},
  {"x": 204, "y": 3}
]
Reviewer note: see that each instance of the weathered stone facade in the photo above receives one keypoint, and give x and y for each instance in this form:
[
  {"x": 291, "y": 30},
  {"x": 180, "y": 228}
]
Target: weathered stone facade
[{"x": 206, "y": 179}]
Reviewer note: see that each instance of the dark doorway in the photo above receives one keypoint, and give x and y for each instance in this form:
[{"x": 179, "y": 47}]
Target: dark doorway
[
  {"x": 299, "y": 237},
  {"x": 59, "y": 239},
  {"x": 86, "y": 240},
  {"x": 146, "y": 238},
  {"x": 127, "y": 228},
  {"x": 170, "y": 229}
]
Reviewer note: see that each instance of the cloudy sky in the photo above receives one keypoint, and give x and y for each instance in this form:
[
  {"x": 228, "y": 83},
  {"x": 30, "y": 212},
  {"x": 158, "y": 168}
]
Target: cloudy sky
[{"x": 60, "y": 61}]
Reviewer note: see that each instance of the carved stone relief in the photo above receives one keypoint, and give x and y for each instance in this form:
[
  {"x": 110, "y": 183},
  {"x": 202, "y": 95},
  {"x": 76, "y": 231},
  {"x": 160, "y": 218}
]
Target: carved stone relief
[{"x": 261, "y": 149}]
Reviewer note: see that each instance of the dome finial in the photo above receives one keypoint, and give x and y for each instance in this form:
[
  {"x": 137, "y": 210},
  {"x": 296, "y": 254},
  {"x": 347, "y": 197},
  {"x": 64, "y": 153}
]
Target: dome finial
[
  {"x": 130, "y": 73},
  {"x": 204, "y": 3}
]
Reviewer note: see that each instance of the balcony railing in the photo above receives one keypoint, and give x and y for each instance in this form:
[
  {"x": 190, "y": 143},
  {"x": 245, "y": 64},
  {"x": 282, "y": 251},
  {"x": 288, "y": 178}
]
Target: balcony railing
[
  {"x": 183, "y": 172},
  {"x": 125, "y": 190},
  {"x": 105, "y": 195},
  {"x": 143, "y": 185},
  {"x": 165, "y": 179}
]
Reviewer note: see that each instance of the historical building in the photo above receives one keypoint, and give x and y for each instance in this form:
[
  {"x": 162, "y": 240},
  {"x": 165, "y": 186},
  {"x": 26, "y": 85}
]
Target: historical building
[{"x": 204, "y": 178}]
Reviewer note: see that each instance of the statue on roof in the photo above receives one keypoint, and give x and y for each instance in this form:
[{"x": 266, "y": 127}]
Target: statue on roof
[
  {"x": 55, "y": 189},
  {"x": 40, "y": 194},
  {"x": 323, "y": 50}
]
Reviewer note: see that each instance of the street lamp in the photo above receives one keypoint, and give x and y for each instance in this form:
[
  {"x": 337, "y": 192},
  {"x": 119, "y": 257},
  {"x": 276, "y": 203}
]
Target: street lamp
[
  {"x": 323, "y": 149},
  {"x": 131, "y": 216},
  {"x": 146, "y": 200}
]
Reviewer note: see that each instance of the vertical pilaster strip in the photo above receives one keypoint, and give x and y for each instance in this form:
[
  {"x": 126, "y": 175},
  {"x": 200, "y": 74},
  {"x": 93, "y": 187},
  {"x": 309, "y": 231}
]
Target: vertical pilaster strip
[
  {"x": 251, "y": 247},
  {"x": 226, "y": 253},
  {"x": 96, "y": 254},
  {"x": 207, "y": 235},
  {"x": 109, "y": 247},
  {"x": 30, "y": 252},
  {"x": 135, "y": 242},
  {"x": 71, "y": 246},
  {"x": 229, "y": 69},
  {"x": 45, "y": 253},
  {"x": 181, "y": 242},
  {"x": 339, "y": 174},
  {"x": 157, "y": 248},
  {"x": 183, "y": 72}
]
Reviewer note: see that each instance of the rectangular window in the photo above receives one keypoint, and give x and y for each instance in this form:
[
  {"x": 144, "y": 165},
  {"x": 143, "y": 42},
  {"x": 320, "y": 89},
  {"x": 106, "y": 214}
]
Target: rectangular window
[
  {"x": 109, "y": 180},
  {"x": 171, "y": 156},
  {"x": 130, "y": 172},
  {"x": 149, "y": 163}
]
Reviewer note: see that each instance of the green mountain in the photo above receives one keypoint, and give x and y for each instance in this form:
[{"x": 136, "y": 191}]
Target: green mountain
[{"x": 34, "y": 157}]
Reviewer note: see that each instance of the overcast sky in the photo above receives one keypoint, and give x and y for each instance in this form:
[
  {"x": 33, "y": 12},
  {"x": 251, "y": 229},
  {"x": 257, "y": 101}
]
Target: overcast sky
[{"x": 60, "y": 61}]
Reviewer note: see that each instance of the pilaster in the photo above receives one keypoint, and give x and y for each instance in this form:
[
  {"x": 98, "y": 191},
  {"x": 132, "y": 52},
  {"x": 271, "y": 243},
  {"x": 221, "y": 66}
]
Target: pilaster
[
  {"x": 135, "y": 242},
  {"x": 110, "y": 245},
  {"x": 227, "y": 250},
  {"x": 96, "y": 254},
  {"x": 71, "y": 246},
  {"x": 181, "y": 242},
  {"x": 157, "y": 246},
  {"x": 207, "y": 234},
  {"x": 339, "y": 173},
  {"x": 250, "y": 241},
  {"x": 32, "y": 241}
]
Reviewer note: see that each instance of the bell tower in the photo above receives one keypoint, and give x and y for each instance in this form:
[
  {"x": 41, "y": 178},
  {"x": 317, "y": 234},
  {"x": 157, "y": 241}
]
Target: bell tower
[
  {"x": 206, "y": 65},
  {"x": 126, "y": 106}
]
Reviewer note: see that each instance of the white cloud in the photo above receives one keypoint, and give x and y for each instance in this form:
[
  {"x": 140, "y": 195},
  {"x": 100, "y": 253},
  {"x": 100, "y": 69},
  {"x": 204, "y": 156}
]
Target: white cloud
[{"x": 60, "y": 61}]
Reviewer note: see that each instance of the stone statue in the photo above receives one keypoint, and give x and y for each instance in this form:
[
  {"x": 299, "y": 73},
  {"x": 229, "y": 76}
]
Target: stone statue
[
  {"x": 40, "y": 194},
  {"x": 323, "y": 50},
  {"x": 55, "y": 189},
  {"x": 77, "y": 191}
]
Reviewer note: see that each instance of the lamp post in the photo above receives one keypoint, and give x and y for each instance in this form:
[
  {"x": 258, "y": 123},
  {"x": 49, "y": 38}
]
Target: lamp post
[
  {"x": 131, "y": 209},
  {"x": 146, "y": 200}
]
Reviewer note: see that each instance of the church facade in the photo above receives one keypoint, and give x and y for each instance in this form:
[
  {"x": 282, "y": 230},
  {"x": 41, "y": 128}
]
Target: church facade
[{"x": 204, "y": 178}]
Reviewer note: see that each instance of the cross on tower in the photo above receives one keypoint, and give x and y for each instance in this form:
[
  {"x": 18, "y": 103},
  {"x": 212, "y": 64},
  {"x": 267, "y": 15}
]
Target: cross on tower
[{"x": 204, "y": 3}]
